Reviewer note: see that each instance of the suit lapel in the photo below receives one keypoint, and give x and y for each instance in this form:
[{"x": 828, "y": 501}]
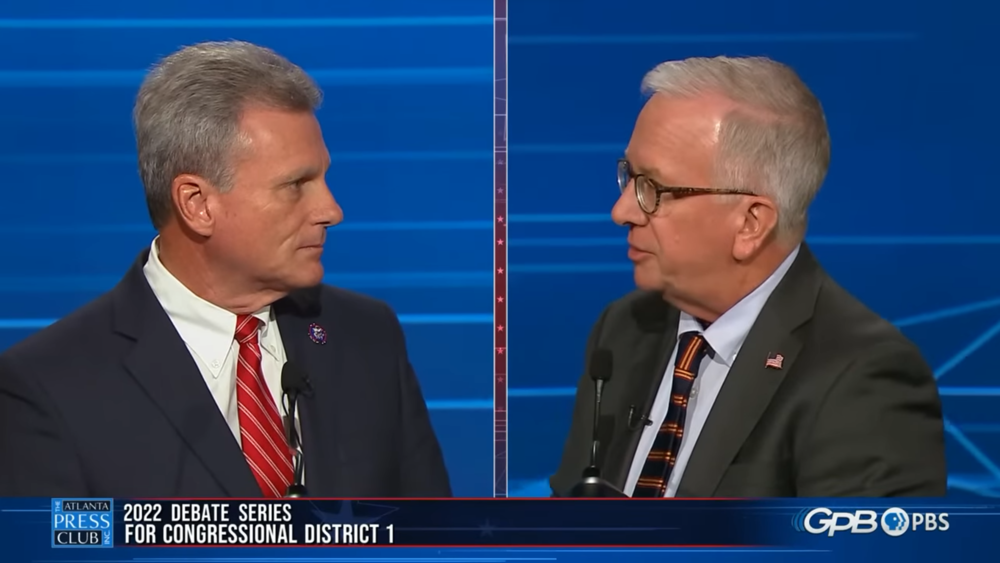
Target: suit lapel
[
  {"x": 318, "y": 357},
  {"x": 161, "y": 363},
  {"x": 642, "y": 374},
  {"x": 750, "y": 384}
]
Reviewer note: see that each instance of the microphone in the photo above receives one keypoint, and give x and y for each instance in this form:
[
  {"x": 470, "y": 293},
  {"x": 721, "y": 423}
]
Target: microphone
[
  {"x": 294, "y": 384},
  {"x": 592, "y": 485},
  {"x": 601, "y": 364}
]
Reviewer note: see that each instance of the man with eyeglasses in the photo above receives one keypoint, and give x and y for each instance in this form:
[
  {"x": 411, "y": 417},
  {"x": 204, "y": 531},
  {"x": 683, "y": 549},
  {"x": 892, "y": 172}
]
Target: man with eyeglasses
[{"x": 740, "y": 368}]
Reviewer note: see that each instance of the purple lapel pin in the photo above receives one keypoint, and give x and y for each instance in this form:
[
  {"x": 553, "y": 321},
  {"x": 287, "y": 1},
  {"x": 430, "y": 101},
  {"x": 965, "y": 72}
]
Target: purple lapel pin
[{"x": 317, "y": 334}]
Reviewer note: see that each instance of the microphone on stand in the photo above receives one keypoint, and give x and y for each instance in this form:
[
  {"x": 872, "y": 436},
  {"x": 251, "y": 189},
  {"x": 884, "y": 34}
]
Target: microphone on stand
[
  {"x": 593, "y": 485},
  {"x": 294, "y": 384}
]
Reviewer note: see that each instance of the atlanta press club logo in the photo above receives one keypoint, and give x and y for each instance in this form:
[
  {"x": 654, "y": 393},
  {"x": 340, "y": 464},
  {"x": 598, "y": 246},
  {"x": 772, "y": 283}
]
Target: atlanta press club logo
[
  {"x": 82, "y": 522},
  {"x": 894, "y": 521}
]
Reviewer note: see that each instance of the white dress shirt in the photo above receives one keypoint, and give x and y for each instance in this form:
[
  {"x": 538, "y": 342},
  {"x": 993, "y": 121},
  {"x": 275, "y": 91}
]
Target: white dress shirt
[
  {"x": 725, "y": 338},
  {"x": 209, "y": 332}
]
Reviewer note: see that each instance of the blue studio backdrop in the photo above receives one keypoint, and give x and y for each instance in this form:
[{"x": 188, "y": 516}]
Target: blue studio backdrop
[
  {"x": 906, "y": 220},
  {"x": 407, "y": 119}
]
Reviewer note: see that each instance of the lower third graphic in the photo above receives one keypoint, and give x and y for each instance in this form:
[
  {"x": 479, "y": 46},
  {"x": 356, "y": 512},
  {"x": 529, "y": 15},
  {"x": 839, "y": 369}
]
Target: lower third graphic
[{"x": 82, "y": 522}]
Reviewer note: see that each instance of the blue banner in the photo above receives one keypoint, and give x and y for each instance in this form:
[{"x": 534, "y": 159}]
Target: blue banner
[{"x": 466, "y": 530}]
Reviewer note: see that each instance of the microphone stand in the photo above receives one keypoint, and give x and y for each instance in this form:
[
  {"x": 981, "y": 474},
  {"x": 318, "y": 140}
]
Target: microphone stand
[
  {"x": 296, "y": 489},
  {"x": 593, "y": 485}
]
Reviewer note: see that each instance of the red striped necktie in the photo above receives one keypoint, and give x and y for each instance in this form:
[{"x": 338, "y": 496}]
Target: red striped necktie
[{"x": 263, "y": 442}]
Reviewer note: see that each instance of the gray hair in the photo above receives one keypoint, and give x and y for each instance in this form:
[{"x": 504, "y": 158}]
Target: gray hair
[
  {"x": 777, "y": 140},
  {"x": 188, "y": 110}
]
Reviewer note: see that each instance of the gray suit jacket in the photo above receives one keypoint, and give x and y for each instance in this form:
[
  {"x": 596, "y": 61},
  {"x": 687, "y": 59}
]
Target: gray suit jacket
[{"x": 854, "y": 411}]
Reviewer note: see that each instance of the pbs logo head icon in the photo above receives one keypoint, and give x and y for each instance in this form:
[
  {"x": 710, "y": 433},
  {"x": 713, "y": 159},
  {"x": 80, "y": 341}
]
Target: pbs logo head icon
[{"x": 895, "y": 522}]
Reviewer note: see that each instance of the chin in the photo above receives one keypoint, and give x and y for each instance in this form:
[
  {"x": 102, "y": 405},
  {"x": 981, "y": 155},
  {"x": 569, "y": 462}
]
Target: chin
[
  {"x": 309, "y": 275},
  {"x": 646, "y": 280}
]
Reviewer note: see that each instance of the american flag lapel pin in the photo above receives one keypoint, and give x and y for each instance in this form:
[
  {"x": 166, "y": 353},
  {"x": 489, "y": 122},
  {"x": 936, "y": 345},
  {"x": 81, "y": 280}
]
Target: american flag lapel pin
[{"x": 774, "y": 361}]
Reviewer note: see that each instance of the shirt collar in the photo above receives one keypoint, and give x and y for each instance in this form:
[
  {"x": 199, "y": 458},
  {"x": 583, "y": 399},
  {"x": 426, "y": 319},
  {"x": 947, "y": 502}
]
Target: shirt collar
[
  {"x": 726, "y": 335},
  {"x": 207, "y": 329}
]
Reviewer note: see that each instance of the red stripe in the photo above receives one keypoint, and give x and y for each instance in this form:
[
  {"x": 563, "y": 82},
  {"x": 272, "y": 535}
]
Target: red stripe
[{"x": 260, "y": 425}]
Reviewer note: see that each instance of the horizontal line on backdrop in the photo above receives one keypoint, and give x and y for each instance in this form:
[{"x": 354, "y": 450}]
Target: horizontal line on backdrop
[
  {"x": 488, "y": 225},
  {"x": 560, "y": 242},
  {"x": 460, "y": 404},
  {"x": 546, "y": 392},
  {"x": 407, "y": 280},
  {"x": 562, "y": 218},
  {"x": 446, "y": 318},
  {"x": 145, "y": 229},
  {"x": 359, "y": 156},
  {"x": 84, "y": 283},
  {"x": 929, "y": 240},
  {"x": 571, "y": 148},
  {"x": 983, "y": 485},
  {"x": 980, "y": 428},
  {"x": 325, "y": 77},
  {"x": 818, "y": 240},
  {"x": 698, "y": 38},
  {"x": 969, "y": 391},
  {"x": 244, "y": 23},
  {"x": 569, "y": 392},
  {"x": 570, "y": 268},
  {"x": 406, "y": 319}
]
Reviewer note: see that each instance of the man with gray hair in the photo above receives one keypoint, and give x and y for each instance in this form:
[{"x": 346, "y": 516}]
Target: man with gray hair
[
  {"x": 740, "y": 368},
  {"x": 183, "y": 380}
]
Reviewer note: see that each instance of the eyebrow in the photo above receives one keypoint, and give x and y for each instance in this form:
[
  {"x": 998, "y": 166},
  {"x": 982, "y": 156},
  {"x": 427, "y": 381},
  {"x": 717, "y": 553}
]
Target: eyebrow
[
  {"x": 299, "y": 174},
  {"x": 653, "y": 174},
  {"x": 302, "y": 173}
]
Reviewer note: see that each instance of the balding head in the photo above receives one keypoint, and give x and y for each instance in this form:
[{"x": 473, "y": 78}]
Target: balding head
[{"x": 772, "y": 135}]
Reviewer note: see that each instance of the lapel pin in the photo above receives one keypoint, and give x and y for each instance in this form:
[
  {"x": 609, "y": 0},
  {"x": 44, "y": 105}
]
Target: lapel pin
[
  {"x": 317, "y": 334},
  {"x": 774, "y": 361}
]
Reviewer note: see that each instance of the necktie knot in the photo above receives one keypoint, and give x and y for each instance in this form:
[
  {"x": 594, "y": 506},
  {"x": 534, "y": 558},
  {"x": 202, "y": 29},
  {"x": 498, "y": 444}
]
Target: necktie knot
[
  {"x": 246, "y": 328},
  {"x": 691, "y": 350}
]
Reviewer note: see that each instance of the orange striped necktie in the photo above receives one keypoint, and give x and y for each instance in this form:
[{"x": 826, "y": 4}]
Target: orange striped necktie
[{"x": 691, "y": 350}]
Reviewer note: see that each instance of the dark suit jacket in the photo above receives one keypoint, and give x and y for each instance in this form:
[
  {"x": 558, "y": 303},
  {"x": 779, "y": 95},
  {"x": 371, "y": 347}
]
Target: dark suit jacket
[
  {"x": 854, "y": 411},
  {"x": 108, "y": 402}
]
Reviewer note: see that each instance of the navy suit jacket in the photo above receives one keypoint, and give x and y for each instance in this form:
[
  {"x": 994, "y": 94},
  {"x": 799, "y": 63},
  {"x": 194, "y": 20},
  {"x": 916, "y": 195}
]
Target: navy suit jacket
[{"x": 108, "y": 402}]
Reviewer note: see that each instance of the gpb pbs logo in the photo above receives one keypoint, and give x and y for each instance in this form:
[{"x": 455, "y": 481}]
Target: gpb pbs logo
[{"x": 893, "y": 521}]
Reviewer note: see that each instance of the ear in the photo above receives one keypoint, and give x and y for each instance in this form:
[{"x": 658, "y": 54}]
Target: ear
[
  {"x": 193, "y": 199},
  {"x": 758, "y": 220}
]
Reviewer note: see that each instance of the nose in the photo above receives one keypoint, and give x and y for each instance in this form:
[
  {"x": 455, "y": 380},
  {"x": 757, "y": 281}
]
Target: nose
[
  {"x": 626, "y": 210},
  {"x": 328, "y": 211}
]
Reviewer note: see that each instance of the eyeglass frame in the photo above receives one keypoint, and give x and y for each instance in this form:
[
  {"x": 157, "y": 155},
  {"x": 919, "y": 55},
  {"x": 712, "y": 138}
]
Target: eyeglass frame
[{"x": 677, "y": 191}]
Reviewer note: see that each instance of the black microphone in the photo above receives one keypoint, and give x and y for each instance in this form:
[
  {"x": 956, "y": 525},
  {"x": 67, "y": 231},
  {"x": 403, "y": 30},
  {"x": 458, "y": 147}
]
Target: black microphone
[
  {"x": 294, "y": 384},
  {"x": 593, "y": 485},
  {"x": 601, "y": 364}
]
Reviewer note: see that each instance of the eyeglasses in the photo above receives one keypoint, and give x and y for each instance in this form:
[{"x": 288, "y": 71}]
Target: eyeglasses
[{"x": 648, "y": 192}]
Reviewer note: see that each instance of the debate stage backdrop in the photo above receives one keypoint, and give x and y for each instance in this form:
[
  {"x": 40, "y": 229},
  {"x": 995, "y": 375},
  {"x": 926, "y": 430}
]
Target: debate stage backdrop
[
  {"x": 408, "y": 121},
  {"x": 907, "y": 219}
]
